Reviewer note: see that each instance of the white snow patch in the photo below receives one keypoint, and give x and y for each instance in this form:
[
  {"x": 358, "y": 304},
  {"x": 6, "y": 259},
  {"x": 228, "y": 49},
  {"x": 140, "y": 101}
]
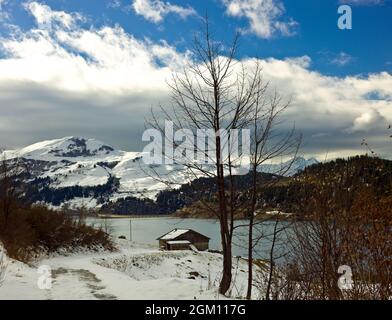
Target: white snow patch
[
  {"x": 137, "y": 271},
  {"x": 174, "y": 234}
]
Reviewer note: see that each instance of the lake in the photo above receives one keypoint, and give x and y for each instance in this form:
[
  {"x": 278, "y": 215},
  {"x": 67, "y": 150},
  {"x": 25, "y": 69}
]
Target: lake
[{"x": 147, "y": 230}]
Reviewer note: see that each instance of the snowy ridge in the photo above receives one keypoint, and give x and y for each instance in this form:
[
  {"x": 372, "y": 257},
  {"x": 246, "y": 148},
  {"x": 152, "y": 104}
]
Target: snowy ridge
[
  {"x": 74, "y": 161},
  {"x": 68, "y": 147},
  {"x": 81, "y": 162}
]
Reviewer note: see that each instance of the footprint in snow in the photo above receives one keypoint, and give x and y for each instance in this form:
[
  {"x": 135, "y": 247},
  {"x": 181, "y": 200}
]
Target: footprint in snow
[{"x": 86, "y": 277}]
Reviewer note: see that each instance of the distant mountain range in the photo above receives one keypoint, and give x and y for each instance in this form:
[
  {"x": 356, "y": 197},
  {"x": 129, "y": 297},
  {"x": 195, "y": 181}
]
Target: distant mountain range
[{"x": 76, "y": 171}]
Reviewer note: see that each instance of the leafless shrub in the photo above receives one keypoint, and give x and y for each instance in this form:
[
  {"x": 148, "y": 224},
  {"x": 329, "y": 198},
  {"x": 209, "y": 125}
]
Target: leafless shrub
[{"x": 348, "y": 223}]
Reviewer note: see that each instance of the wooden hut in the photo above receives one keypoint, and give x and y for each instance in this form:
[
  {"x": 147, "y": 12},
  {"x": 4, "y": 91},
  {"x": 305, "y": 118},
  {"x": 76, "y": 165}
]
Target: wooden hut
[{"x": 183, "y": 239}]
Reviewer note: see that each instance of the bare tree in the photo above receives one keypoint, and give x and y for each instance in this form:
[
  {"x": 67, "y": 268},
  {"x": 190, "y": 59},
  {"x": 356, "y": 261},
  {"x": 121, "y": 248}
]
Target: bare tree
[
  {"x": 269, "y": 277},
  {"x": 9, "y": 169},
  {"x": 266, "y": 145},
  {"x": 82, "y": 213},
  {"x": 202, "y": 100},
  {"x": 217, "y": 93}
]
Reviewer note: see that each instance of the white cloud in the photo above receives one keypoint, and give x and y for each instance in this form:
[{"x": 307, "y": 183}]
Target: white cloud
[
  {"x": 156, "y": 10},
  {"x": 315, "y": 95},
  {"x": 86, "y": 59},
  {"x": 264, "y": 16},
  {"x": 45, "y": 17},
  {"x": 303, "y": 61},
  {"x": 342, "y": 59},
  {"x": 370, "y": 119},
  {"x": 67, "y": 80},
  {"x": 101, "y": 82},
  {"x": 337, "y": 107}
]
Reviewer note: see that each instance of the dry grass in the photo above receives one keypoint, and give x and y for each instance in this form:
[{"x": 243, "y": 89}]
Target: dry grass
[{"x": 30, "y": 231}]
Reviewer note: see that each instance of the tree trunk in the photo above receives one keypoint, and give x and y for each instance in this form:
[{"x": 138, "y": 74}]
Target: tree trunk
[
  {"x": 250, "y": 231},
  {"x": 272, "y": 263},
  {"x": 225, "y": 283},
  {"x": 226, "y": 242},
  {"x": 223, "y": 219},
  {"x": 250, "y": 260}
]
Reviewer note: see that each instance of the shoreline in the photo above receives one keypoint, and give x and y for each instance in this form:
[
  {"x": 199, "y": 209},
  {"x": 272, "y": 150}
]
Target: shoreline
[
  {"x": 131, "y": 216},
  {"x": 264, "y": 217}
]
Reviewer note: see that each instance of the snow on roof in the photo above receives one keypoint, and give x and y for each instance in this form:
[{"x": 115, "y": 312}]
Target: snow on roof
[
  {"x": 178, "y": 242},
  {"x": 174, "y": 234}
]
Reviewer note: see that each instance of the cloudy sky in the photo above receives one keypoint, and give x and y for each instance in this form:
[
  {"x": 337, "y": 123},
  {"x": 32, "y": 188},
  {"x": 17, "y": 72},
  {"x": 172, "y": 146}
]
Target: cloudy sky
[{"x": 95, "y": 68}]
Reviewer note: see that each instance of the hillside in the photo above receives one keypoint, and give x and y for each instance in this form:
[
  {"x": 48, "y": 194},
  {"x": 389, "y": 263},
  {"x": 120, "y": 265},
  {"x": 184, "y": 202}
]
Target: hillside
[
  {"x": 73, "y": 172},
  {"x": 292, "y": 194}
]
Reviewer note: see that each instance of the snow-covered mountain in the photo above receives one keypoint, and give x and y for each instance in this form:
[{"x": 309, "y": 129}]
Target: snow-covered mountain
[
  {"x": 78, "y": 171},
  {"x": 290, "y": 167},
  {"x": 88, "y": 163}
]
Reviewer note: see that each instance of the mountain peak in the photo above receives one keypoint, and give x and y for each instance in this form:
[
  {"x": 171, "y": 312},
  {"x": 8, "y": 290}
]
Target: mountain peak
[{"x": 67, "y": 147}]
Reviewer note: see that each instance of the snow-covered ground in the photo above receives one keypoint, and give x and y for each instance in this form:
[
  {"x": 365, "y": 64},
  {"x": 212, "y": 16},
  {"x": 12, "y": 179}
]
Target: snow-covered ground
[{"x": 136, "y": 271}]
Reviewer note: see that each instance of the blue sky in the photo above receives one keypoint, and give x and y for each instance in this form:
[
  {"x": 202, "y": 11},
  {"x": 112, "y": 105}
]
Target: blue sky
[
  {"x": 368, "y": 45},
  {"x": 122, "y": 50}
]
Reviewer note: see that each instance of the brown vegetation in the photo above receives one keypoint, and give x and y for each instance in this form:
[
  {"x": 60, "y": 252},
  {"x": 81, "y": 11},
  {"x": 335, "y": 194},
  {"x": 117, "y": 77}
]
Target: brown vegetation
[
  {"x": 349, "y": 223},
  {"x": 28, "y": 231},
  {"x": 32, "y": 231}
]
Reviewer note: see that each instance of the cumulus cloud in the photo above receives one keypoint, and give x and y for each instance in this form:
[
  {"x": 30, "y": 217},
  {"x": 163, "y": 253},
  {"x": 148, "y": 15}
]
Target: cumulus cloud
[
  {"x": 156, "y": 10},
  {"x": 334, "y": 113},
  {"x": 304, "y": 61},
  {"x": 83, "y": 80},
  {"x": 79, "y": 59},
  {"x": 264, "y": 16},
  {"x": 368, "y": 120},
  {"x": 44, "y": 16},
  {"x": 73, "y": 79}
]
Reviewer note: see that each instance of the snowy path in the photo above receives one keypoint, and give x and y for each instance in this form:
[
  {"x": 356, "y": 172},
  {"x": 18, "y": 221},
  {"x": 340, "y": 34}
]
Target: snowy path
[{"x": 135, "y": 272}]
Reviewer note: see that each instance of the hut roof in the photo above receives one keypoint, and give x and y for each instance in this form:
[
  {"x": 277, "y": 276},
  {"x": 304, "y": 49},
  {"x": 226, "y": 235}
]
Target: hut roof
[{"x": 175, "y": 233}]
